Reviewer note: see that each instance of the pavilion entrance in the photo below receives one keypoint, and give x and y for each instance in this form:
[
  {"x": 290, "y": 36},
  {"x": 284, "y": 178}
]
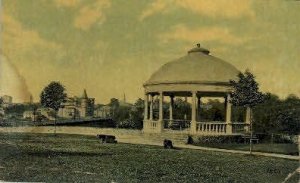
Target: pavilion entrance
[{"x": 160, "y": 114}]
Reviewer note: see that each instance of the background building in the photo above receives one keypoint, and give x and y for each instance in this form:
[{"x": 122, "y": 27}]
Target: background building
[
  {"x": 6, "y": 100},
  {"x": 103, "y": 112},
  {"x": 77, "y": 107},
  {"x": 40, "y": 114}
]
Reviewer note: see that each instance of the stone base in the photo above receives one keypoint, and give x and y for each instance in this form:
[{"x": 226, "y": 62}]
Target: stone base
[
  {"x": 153, "y": 126},
  {"x": 229, "y": 128},
  {"x": 193, "y": 127},
  {"x": 247, "y": 128}
]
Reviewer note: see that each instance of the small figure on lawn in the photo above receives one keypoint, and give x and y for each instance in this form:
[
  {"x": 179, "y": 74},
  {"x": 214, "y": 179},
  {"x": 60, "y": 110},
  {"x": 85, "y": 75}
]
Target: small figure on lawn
[
  {"x": 107, "y": 138},
  {"x": 168, "y": 144},
  {"x": 190, "y": 140}
]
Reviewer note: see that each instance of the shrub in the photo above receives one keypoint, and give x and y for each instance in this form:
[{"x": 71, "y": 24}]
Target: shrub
[
  {"x": 281, "y": 138},
  {"x": 277, "y": 138},
  {"x": 128, "y": 123},
  {"x": 219, "y": 139}
]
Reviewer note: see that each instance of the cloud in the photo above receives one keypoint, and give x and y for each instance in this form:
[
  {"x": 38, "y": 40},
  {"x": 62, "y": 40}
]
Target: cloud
[
  {"x": 220, "y": 8},
  {"x": 26, "y": 50},
  {"x": 206, "y": 34},
  {"x": 155, "y": 7},
  {"x": 91, "y": 14},
  {"x": 17, "y": 38},
  {"x": 66, "y": 3}
]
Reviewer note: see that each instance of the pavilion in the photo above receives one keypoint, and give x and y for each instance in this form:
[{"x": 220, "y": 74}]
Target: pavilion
[{"x": 197, "y": 75}]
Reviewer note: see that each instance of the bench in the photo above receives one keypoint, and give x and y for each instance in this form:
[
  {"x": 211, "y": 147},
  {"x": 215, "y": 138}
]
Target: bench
[
  {"x": 107, "y": 138},
  {"x": 248, "y": 137}
]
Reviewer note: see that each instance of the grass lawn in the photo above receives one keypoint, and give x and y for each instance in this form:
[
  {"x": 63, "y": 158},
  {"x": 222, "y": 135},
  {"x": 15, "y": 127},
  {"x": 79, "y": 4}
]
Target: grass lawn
[
  {"x": 76, "y": 158},
  {"x": 289, "y": 149}
]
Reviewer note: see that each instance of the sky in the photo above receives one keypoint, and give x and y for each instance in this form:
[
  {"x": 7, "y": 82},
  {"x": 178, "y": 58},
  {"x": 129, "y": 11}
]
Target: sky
[{"x": 111, "y": 47}]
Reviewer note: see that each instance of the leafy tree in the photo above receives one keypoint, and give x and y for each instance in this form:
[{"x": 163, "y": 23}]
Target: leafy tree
[
  {"x": 278, "y": 116},
  {"x": 266, "y": 114},
  {"x": 246, "y": 94},
  {"x": 122, "y": 113},
  {"x": 53, "y": 95},
  {"x": 118, "y": 112},
  {"x": 181, "y": 109},
  {"x": 128, "y": 116},
  {"x": 288, "y": 117},
  {"x": 214, "y": 113},
  {"x": 18, "y": 109},
  {"x": 136, "y": 114}
]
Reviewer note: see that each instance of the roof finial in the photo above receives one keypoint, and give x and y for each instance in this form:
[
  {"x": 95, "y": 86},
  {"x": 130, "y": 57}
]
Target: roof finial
[{"x": 198, "y": 49}]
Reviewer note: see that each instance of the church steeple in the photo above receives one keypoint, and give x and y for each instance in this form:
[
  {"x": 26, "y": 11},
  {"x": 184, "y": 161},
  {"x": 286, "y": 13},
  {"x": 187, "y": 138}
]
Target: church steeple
[
  {"x": 30, "y": 99},
  {"x": 84, "y": 95}
]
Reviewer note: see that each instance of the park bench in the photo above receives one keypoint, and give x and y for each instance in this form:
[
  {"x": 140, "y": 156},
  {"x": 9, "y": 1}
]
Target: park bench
[
  {"x": 247, "y": 138},
  {"x": 107, "y": 138}
]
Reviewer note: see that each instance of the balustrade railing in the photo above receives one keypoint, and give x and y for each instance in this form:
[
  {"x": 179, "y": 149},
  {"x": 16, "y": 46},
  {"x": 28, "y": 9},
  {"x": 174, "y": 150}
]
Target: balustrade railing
[
  {"x": 211, "y": 127},
  {"x": 177, "y": 124},
  {"x": 152, "y": 124},
  {"x": 239, "y": 127}
]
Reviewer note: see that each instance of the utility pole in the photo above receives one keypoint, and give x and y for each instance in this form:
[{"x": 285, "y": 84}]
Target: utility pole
[
  {"x": 251, "y": 131},
  {"x": 55, "y": 123}
]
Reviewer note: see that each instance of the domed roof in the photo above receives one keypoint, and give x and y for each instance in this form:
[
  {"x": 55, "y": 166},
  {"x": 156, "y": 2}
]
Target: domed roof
[{"x": 196, "y": 67}]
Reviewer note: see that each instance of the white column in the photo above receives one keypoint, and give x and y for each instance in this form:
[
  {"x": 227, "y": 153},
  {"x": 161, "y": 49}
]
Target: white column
[
  {"x": 228, "y": 109},
  {"x": 151, "y": 107},
  {"x": 193, "y": 122},
  {"x": 145, "y": 122},
  {"x": 161, "y": 98},
  {"x": 146, "y": 107},
  {"x": 171, "y": 110},
  {"x": 228, "y": 114},
  {"x": 161, "y": 112},
  {"x": 198, "y": 108}
]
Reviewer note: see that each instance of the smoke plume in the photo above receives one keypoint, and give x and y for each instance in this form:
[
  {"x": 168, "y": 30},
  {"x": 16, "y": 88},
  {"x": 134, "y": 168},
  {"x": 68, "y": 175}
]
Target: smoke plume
[{"x": 11, "y": 82}]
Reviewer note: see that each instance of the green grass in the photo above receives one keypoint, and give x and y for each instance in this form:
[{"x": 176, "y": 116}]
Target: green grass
[
  {"x": 288, "y": 149},
  {"x": 75, "y": 158}
]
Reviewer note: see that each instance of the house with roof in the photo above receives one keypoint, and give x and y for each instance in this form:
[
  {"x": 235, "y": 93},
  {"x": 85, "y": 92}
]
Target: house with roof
[{"x": 77, "y": 107}]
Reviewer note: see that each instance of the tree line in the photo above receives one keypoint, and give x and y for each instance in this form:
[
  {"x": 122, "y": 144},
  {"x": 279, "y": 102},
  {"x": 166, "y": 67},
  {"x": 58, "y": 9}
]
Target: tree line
[{"x": 270, "y": 114}]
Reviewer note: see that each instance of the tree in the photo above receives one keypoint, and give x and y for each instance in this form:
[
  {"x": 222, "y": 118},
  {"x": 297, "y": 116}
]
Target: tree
[
  {"x": 288, "y": 117},
  {"x": 53, "y": 95},
  {"x": 136, "y": 114},
  {"x": 266, "y": 113},
  {"x": 246, "y": 94},
  {"x": 277, "y": 116},
  {"x": 215, "y": 112},
  {"x": 182, "y": 109}
]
